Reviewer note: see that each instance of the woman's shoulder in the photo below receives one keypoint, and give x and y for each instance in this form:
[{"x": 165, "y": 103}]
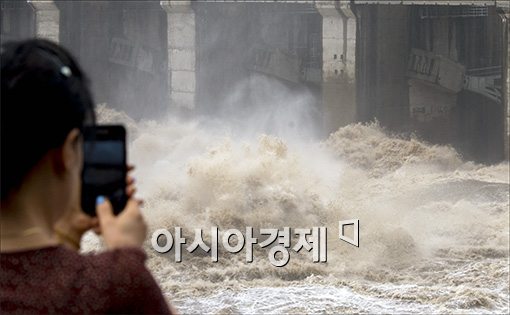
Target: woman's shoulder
[
  {"x": 130, "y": 282},
  {"x": 122, "y": 266},
  {"x": 61, "y": 264},
  {"x": 62, "y": 257},
  {"x": 128, "y": 258},
  {"x": 38, "y": 259},
  {"x": 101, "y": 282}
]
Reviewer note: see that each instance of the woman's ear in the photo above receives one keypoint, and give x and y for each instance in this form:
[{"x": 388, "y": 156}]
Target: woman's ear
[{"x": 70, "y": 153}]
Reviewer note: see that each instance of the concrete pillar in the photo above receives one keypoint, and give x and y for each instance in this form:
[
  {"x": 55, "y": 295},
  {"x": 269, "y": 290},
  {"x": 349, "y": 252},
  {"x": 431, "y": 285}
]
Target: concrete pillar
[
  {"x": 181, "y": 53},
  {"x": 338, "y": 63},
  {"x": 47, "y": 19},
  {"x": 506, "y": 92}
]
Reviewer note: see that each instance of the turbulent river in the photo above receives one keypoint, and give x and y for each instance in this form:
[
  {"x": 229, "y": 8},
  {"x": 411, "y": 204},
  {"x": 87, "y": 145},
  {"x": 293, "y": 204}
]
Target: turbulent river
[{"x": 434, "y": 229}]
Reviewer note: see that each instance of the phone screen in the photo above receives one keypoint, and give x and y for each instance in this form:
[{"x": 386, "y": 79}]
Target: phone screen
[{"x": 104, "y": 167}]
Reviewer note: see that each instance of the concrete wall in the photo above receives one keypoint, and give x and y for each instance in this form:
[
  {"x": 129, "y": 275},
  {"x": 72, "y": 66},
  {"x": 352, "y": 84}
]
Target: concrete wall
[
  {"x": 26, "y": 19},
  {"x": 436, "y": 105},
  {"x": 47, "y": 19},
  {"x": 123, "y": 54},
  {"x": 440, "y": 109},
  {"x": 506, "y": 77},
  {"x": 17, "y": 21},
  {"x": 338, "y": 64},
  {"x": 363, "y": 69},
  {"x": 181, "y": 53},
  {"x": 251, "y": 54},
  {"x": 383, "y": 49},
  {"x": 478, "y": 121}
]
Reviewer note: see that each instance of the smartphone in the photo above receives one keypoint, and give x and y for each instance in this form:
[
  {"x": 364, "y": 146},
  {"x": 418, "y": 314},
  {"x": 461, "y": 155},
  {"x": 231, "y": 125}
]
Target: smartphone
[{"x": 104, "y": 167}]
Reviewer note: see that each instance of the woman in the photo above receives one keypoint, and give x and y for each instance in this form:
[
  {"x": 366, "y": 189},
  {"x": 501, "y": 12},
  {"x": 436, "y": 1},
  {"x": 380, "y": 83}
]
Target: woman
[{"x": 45, "y": 104}]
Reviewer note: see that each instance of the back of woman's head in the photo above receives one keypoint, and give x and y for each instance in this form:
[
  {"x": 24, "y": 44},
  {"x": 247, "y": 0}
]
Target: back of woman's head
[{"x": 44, "y": 96}]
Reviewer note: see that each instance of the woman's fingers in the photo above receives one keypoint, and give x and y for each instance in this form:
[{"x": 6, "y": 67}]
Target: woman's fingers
[
  {"x": 104, "y": 208},
  {"x": 130, "y": 183},
  {"x": 104, "y": 211},
  {"x": 96, "y": 227},
  {"x": 130, "y": 191},
  {"x": 126, "y": 229},
  {"x": 97, "y": 230}
]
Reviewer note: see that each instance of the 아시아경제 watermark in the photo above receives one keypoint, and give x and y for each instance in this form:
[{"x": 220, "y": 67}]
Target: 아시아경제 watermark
[{"x": 311, "y": 239}]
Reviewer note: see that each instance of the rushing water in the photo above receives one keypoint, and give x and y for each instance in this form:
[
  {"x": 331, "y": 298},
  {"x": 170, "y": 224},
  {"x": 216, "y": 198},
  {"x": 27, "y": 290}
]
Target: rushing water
[{"x": 434, "y": 229}]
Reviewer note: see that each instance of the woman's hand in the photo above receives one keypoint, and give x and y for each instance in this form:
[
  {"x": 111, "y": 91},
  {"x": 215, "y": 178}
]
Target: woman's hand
[
  {"x": 124, "y": 230},
  {"x": 70, "y": 228}
]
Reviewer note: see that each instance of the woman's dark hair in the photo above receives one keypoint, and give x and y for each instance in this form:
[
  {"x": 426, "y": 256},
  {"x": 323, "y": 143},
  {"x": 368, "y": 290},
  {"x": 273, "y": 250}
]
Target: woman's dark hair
[{"x": 44, "y": 96}]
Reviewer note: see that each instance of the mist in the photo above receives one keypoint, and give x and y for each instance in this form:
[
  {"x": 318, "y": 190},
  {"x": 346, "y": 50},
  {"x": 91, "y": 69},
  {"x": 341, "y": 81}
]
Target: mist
[
  {"x": 256, "y": 151},
  {"x": 300, "y": 115}
]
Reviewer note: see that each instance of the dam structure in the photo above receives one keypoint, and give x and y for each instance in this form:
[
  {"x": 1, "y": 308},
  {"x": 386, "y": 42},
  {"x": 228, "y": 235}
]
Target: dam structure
[{"x": 437, "y": 69}]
